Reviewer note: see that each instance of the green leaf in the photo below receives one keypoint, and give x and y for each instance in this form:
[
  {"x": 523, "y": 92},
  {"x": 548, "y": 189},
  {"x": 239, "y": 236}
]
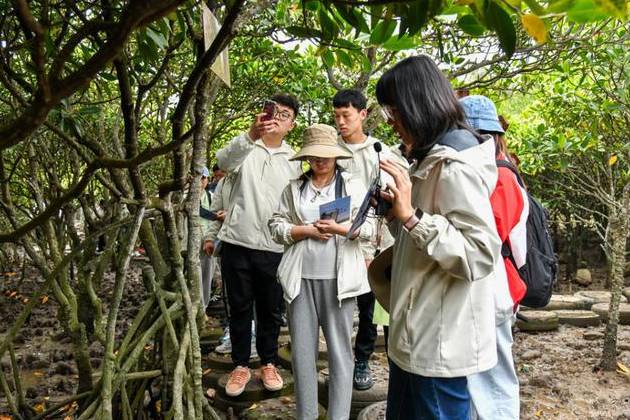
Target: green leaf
[
  {"x": 328, "y": 58},
  {"x": 376, "y": 13},
  {"x": 344, "y": 58},
  {"x": 157, "y": 38},
  {"x": 311, "y": 5},
  {"x": 586, "y": 11},
  {"x": 329, "y": 26},
  {"x": 382, "y": 32},
  {"x": 366, "y": 66},
  {"x": 302, "y": 32},
  {"x": 362, "y": 23},
  {"x": 470, "y": 25},
  {"x": 346, "y": 13},
  {"x": 501, "y": 22},
  {"x": 399, "y": 44},
  {"x": 418, "y": 16}
]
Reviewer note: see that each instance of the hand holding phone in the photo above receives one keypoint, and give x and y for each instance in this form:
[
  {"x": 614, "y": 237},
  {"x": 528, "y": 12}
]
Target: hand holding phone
[
  {"x": 269, "y": 109},
  {"x": 264, "y": 121}
]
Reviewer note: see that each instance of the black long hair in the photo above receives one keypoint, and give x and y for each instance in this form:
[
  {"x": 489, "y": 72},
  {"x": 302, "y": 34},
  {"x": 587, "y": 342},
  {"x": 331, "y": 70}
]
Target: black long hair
[{"x": 425, "y": 101}]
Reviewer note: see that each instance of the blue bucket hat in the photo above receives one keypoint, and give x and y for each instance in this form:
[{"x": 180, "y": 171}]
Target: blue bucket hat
[
  {"x": 481, "y": 113},
  {"x": 205, "y": 172}
]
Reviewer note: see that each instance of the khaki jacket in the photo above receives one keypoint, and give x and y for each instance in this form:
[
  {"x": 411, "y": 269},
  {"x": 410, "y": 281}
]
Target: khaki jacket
[
  {"x": 220, "y": 201},
  {"x": 351, "y": 271},
  {"x": 259, "y": 177},
  {"x": 444, "y": 274},
  {"x": 364, "y": 166}
]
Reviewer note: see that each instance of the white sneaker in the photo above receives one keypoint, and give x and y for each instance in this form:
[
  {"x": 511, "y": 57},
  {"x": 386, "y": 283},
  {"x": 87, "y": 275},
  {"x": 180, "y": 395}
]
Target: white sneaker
[{"x": 225, "y": 347}]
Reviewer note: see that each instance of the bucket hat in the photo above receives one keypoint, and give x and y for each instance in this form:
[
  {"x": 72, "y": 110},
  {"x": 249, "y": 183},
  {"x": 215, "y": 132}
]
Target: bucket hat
[
  {"x": 380, "y": 276},
  {"x": 481, "y": 113},
  {"x": 320, "y": 140}
]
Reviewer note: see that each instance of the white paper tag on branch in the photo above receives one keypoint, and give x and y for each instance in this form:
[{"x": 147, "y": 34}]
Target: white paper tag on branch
[{"x": 210, "y": 24}]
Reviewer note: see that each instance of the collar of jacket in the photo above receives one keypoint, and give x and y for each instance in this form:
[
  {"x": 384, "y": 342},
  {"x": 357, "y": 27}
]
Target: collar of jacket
[
  {"x": 480, "y": 155},
  {"x": 284, "y": 147},
  {"x": 369, "y": 142}
]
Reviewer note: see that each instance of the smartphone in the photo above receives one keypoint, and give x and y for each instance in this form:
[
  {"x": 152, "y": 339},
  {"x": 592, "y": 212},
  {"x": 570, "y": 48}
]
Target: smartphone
[{"x": 269, "y": 109}]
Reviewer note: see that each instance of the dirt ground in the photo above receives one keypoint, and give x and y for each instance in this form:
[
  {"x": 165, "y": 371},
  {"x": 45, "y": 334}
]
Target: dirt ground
[{"x": 556, "y": 369}]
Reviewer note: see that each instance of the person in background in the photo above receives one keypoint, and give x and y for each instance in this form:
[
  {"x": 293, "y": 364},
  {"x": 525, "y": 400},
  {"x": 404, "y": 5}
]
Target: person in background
[
  {"x": 495, "y": 392},
  {"x": 205, "y": 261},
  {"x": 350, "y": 107},
  {"x": 321, "y": 271},
  {"x": 259, "y": 160},
  {"x": 447, "y": 251}
]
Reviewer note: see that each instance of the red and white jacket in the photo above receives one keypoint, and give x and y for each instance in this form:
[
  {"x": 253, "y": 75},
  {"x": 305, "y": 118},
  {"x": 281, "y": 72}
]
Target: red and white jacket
[{"x": 511, "y": 208}]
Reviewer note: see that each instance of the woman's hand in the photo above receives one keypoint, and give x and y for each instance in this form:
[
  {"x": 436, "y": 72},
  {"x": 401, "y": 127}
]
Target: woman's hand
[
  {"x": 330, "y": 226},
  {"x": 399, "y": 193},
  {"x": 309, "y": 231},
  {"x": 221, "y": 215}
]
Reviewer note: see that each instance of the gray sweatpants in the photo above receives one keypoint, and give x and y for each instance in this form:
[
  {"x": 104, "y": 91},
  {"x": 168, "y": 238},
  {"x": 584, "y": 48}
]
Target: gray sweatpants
[
  {"x": 316, "y": 306},
  {"x": 206, "y": 264}
]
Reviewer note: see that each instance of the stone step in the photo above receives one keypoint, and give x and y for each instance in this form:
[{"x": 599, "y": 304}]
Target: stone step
[
  {"x": 374, "y": 411},
  {"x": 562, "y": 302},
  {"x": 255, "y": 391},
  {"x": 578, "y": 318},
  {"x": 535, "y": 321},
  {"x": 598, "y": 296},
  {"x": 282, "y": 408},
  {"x": 601, "y": 309}
]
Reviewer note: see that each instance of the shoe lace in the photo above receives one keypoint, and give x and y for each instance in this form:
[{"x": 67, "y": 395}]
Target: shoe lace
[
  {"x": 270, "y": 372},
  {"x": 239, "y": 375}
]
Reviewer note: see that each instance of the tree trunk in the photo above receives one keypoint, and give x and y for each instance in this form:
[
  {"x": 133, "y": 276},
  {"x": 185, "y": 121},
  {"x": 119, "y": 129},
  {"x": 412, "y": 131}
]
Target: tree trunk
[{"x": 619, "y": 234}]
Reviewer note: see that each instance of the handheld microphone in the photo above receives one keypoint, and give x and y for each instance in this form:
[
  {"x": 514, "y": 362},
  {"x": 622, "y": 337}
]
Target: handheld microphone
[{"x": 382, "y": 206}]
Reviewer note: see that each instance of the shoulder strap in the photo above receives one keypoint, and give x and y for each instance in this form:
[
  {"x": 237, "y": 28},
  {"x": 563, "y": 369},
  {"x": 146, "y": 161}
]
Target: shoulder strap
[
  {"x": 338, "y": 185},
  {"x": 501, "y": 163}
]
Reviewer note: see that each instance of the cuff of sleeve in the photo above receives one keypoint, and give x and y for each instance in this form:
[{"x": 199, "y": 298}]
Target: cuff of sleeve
[
  {"x": 288, "y": 239},
  {"x": 420, "y": 232}
]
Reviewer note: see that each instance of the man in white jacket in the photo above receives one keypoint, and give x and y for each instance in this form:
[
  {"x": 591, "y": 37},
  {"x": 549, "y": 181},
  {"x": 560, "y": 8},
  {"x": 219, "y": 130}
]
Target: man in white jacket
[
  {"x": 350, "y": 111},
  {"x": 259, "y": 160}
]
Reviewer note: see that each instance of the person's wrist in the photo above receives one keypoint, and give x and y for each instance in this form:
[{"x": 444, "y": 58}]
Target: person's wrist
[
  {"x": 413, "y": 220},
  {"x": 406, "y": 214}
]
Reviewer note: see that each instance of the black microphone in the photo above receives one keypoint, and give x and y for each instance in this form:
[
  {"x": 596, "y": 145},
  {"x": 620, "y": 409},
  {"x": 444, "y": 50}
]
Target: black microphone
[{"x": 378, "y": 147}]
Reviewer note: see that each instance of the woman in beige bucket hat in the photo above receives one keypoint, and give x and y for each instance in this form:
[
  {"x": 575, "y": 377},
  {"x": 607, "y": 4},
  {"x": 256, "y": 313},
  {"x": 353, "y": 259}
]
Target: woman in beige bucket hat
[{"x": 321, "y": 271}]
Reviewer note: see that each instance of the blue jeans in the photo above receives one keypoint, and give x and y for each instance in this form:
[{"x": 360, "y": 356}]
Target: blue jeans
[
  {"x": 416, "y": 397},
  {"x": 494, "y": 393}
]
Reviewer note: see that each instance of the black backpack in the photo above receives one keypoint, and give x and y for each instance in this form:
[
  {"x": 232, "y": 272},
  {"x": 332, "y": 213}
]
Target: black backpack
[{"x": 541, "y": 264}]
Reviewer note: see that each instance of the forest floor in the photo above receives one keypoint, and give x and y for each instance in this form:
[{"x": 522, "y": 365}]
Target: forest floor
[{"x": 557, "y": 369}]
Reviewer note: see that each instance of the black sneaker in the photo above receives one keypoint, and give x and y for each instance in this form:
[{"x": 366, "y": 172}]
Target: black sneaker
[{"x": 362, "y": 376}]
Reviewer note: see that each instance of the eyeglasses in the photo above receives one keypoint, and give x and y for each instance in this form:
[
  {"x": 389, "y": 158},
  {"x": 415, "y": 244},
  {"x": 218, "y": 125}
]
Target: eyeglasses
[
  {"x": 388, "y": 112},
  {"x": 283, "y": 115},
  {"x": 315, "y": 159}
]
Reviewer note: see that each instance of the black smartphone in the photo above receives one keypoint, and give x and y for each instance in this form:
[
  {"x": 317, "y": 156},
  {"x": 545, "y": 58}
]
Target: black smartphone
[{"x": 269, "y": 109}]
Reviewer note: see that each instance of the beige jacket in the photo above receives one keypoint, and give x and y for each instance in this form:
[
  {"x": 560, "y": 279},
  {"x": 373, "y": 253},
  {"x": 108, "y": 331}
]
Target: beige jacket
[
  {"x": 444, "y": 271},
  {"x": 351, "y": 272},
  {"x": 220, "y": 201},
  {"x": 259, "y": 177},
  {"x": 364, "y": 166}
]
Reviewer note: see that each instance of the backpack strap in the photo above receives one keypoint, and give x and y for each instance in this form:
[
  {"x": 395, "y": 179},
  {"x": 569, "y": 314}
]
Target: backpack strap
[
  {"x": 501, "y": 163},
  {"x": 338, "y": 185}
]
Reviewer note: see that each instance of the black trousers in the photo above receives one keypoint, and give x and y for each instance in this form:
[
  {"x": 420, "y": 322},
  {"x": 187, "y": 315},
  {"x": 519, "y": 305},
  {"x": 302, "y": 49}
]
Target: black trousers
[
  {"x": 250, "y": 276},
  {"x": 366, "y": 335}
]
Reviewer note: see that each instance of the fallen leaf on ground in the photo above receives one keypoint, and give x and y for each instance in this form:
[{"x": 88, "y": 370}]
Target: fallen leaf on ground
[
  {"x": 39, "y": 408},
  {"x": 44, "y": 298}
]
